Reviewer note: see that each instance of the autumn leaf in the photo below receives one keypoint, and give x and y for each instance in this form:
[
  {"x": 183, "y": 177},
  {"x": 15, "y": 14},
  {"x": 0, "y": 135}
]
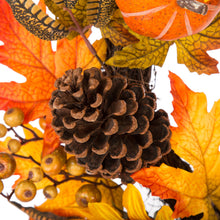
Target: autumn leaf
[
  {"x": 165, "y": 213},
  {"x": 117, "y": 31},
  {"x": 196, "y": 140},
  {"x": 63, "y": 16},
  {"x": 143, "y": 54},
  {"x": 191, "y": 51},
  {"x": 65, "y": 205},
  {"x": 35, "y": 59},
  {"x": 133, "y": 203}
]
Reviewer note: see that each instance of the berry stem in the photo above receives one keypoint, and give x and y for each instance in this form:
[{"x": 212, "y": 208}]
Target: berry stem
[
  {"x": 8, "y": 197},
  {"x": 77, "y": 178},
  {"x": 25, "y": 157},
  {"x": 23, "y": 140},
  {"x": 29, "y": 129}
]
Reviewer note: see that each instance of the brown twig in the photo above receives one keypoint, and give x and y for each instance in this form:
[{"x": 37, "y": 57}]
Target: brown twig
[
  {"x": 67, "y": 178},
  {"x": 23, "y": 140},
  {"x": 81, "y": 31}
]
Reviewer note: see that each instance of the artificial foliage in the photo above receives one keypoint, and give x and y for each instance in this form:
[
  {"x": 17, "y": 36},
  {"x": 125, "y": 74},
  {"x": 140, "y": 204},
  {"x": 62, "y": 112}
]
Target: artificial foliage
[{"x": 98, "y": 114}]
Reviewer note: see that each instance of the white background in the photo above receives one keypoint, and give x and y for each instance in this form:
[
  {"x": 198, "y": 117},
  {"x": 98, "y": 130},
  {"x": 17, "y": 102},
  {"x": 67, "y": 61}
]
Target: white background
[{"x": 210, "y": 85}]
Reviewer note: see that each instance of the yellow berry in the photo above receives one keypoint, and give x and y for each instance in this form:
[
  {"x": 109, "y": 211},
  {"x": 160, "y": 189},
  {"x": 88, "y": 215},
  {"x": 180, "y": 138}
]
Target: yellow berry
[
  {"x": 73, "y": 168},
  {"x": 50, "y": 192},
  {"x": 14, "y": 145},
  {"x": 14, "y": 117},
  {"x": 3, "y": 130},
  {"x": 7, "y": 165},
  {"x": 42, "y": 123},
  {"x": 36, "y": 174},
  {"x": 87, "y": 193},
  {"x": 25, "y": 190},
  {"x": 1, "y": 186},
  {"x": 53, "y": 163}
]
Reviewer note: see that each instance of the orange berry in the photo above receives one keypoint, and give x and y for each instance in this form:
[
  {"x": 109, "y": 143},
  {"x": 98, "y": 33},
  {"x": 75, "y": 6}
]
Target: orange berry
[
  {"x": 25, "y": 190},
  {"x": 14, "y": 145},
  {"x": 3, "y": 130},
  {"x": 53, "y": 163},
  {"x": 73, "y": 168},
  {"x": 42, "y": 123},
  {"x": 14, "y": 117},
  {"x": 7, "y": 165},
  {"x": 36, "y": 174},
  {"x": 87, "y": 193},
  {"x": 50, "y": 192},
  {"x": 1, "y": 186}
]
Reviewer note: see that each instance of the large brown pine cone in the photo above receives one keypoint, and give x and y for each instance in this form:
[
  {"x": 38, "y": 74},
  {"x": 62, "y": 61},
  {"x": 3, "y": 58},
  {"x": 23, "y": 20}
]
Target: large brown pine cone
[{"x": 109, "y": 125}]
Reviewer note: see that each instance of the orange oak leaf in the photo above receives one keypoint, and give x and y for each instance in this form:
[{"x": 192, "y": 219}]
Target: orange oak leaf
[
  {"x": 196, "y": 140},
  {"x": 35, "y": 59}
]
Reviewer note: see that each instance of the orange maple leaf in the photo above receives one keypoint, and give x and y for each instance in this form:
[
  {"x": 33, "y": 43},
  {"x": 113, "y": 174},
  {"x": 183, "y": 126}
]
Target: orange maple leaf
[
  {"x": 35, "y": 59},
  {"x": 196, "y": 140}
]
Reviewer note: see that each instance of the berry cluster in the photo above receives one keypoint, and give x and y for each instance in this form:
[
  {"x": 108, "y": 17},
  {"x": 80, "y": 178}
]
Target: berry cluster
[{"x": 55, "y": 163}]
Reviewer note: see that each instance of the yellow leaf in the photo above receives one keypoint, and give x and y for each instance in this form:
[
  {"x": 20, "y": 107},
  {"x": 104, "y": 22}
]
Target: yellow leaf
[
  {"x": 196, "y": 140},
  {"x": 165, "y": 213},
  {"x": 65, "y": 205},
  {"x": 145, "y": 53},
  {"x": 103, "y": 211},
  {"x": 134, "y": 204},
  {"x": 192, "y": 50}
]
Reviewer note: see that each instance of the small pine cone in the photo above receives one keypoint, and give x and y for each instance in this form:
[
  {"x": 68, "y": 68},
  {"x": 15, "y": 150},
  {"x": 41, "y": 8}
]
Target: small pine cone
[{"x": 109, "y": 125}]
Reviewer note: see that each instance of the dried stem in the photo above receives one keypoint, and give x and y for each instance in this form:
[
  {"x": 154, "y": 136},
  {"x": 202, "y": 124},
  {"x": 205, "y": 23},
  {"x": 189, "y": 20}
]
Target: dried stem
[
  {"x": 28, "y": 158},
  {"x": 194, "y": 6},
  {"x": 8, "y": 197},
  {"x": 23, "y": 140},
  {"x": 81, "y": 31},
  {"x": 67, "y": 178}
]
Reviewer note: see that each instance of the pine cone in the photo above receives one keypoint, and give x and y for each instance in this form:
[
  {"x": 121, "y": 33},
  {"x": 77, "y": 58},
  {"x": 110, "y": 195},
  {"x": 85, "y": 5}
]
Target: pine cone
[{"x": 110, "y": 125}]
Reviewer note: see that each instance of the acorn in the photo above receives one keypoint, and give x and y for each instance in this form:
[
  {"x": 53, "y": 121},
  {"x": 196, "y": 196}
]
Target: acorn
[
  {"x": 87, "y": 193},
  {"x": 7, "y": 165},
  {"x": 73, "y": 168},
  {"x": 1, "y": 186},
  {"x": 25, "y": 190},
  {"x": 14, "y": 145},
  {"x": 42, "y": 123},
  {"x": 3, "y": 130},
  {"x": 14, "y": 117},
  {"x": 53, "y": 163},
  {"x": 50, "y": 192},
  {"x": 36, "y": 174}
]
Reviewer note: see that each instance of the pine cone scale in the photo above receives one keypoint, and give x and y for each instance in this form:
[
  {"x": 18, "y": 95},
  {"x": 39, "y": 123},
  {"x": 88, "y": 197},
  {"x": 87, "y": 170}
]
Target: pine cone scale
[{"x": 109, "y": 123}]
